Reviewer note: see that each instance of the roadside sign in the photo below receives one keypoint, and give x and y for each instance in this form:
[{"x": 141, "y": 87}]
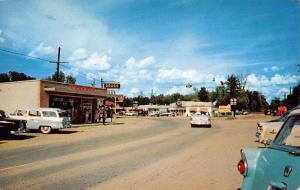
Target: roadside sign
[
  {"x": 224, "y": 109},
  {"x": 112, "y": 85}
]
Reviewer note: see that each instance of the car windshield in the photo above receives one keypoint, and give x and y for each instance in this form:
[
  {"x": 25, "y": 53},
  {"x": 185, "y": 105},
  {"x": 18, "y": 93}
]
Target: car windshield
[{"x": 289, "y": 135}]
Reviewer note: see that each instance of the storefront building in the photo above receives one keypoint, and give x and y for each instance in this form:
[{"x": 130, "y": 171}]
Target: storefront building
[{"x": 81, "y": 102}]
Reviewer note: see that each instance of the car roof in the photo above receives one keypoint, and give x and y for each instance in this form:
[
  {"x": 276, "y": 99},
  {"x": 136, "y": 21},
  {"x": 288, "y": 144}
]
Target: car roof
[{"x": 295, "y": 112}]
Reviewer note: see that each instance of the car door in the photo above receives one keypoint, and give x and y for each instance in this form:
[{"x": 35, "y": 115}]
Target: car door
[
  {"x": 33, "y": 119},
  {"x": 278, "y": 167}
]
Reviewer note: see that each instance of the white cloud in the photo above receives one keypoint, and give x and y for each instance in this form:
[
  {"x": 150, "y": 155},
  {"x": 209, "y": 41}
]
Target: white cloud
[
  {"x": 132, "y": 63},
  {"x": 133, "y": 92},
  {"x": 93, "y": 62},
  {"x": 78, "y": 54},
  {"x": 1, "y": 38},
  {"x": 271, "y": 86},
  {"x": 193, "y": 76},
  {"x": 275, "y": 68},
  {"x": 41, "y": 49},
  {"x": 263, "y": 81},
  {"x": 179, "y": 89},
  {"x": 281, "y": 79}
]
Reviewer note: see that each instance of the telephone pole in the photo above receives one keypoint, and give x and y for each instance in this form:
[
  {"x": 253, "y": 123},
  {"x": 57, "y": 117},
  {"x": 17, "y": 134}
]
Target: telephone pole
[{"x": 57, "y": 64}]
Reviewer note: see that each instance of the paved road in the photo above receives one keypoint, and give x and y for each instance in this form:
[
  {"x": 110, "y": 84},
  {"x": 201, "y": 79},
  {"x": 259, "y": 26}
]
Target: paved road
[{"x": 107, "y": 158}]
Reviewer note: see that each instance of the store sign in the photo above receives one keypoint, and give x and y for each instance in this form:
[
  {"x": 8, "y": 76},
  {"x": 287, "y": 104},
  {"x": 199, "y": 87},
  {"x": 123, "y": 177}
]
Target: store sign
[
  {"x": 112, "y": 85},
  {"x": 82, "y": 88},
  {"x": 224, "y": 109}
]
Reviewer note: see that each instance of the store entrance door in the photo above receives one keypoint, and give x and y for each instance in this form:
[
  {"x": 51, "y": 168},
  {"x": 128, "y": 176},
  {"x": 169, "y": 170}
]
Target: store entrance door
[{"x": 87, "y": 108}]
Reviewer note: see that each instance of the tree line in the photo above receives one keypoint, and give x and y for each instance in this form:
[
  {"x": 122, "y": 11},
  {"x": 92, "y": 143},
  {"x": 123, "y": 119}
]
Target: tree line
[
  {"x": 233, "y": 87},
  {"x": 290, "y": 101},
  {"x": 16, "y": 76}
]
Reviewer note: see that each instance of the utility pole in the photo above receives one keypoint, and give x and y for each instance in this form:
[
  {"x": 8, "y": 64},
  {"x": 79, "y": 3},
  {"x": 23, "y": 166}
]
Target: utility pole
[
  {"x": 298, "y": 85},
  {"x": 102, "y": 84},
  {"x": 57, "y": 64},
  {"x": 93, "y": 83}
]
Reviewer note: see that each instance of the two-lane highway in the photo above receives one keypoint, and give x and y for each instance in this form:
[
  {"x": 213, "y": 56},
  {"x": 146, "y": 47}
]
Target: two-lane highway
[{"x": 106, "y": 157}]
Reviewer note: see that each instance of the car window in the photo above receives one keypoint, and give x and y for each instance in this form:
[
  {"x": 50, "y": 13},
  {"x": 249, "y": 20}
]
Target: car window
[
  {"x": 34, "y": 113},
  {"x": 63, "y": 114},
  {"x": 49, "y": 114},
  {"x": 290, "y": 133},
  {"x": 21, "y": 112}
]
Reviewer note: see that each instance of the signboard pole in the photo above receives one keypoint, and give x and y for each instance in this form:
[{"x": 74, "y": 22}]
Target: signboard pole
[{"x": 115, "y": 103}]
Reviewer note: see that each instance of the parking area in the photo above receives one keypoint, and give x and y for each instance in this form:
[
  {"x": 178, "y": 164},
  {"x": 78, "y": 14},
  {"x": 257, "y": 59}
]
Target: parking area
[{"x": 130, "y": 153}]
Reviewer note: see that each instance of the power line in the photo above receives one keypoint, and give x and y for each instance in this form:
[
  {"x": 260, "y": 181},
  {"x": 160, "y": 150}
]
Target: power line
[
  {"x": 24, "y": 55},
  {"x": 41, "y": 59}
]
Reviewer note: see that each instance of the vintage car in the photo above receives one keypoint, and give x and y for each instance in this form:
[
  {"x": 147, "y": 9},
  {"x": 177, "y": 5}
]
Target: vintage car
[
  {"x": 166, "y": 114},
  {"x": 43, "y": 119},
  {"x": 8, "y": 124},
  {"x": 267, "y": 130},
  {"x": 201, "y": 119},
  {"x": 131, "y": 113},
  {"x": 276, "y": 167}
]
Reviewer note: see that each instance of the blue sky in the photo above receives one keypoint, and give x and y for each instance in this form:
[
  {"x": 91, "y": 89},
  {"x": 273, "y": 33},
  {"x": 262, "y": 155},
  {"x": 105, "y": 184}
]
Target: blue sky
[{"x": 159, "y": 45}]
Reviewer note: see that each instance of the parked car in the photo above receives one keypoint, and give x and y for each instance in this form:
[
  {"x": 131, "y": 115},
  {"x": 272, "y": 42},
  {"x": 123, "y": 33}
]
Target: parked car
[
  {"x": 154, "y": 114},
  {"x": 131, "y": 113},
  {"x": 8, "y": 124},
  {"x": 43, "y": 119},
  {"x": 276, "y": 167},
  {"x": 267, "y": 130},
  {"x": 201, "y": 119},
  {"x": 166, "y": 114},
  {"x": 267, "y": 112}
]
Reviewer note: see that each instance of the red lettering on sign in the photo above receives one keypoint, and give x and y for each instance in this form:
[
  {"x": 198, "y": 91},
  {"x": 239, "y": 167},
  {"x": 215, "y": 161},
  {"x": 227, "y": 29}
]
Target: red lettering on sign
[{"x": 82, "y": 88}]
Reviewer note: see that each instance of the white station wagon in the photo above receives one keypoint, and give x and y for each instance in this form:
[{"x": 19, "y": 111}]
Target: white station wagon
[{"x": 43, "y": 119}]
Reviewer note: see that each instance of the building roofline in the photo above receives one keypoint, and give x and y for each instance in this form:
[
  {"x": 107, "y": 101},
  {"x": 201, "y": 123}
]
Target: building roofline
[{"x": 20, "y": 81}]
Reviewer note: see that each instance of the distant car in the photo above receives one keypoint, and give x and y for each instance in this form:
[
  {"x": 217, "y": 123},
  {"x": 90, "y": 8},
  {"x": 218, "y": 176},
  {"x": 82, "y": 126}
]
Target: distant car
[
  {"x": 267, "y": 112},
  {"x": 121, "y": 113},
  {"x": 166, "y": 114},
  {"x": 8, "y": 124},
  {"x": 198, "y": 120},
  {"x": 43, "y": 119},
  {"x": 154, "y": 114},
  {"x": 267, "y": 130},
  {"x": 131, "y": 113},
  {"x": 276, "y": 167},
  {"x": 245, "y": 112}
]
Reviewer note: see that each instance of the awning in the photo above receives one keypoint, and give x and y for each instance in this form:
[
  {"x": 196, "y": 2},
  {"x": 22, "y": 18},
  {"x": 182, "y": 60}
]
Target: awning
[{"x": 79, "y": 91}]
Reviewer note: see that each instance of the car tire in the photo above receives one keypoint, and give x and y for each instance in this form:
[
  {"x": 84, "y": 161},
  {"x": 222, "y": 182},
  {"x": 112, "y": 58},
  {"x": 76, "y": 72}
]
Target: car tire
[{"x": 45, "y": 129}]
